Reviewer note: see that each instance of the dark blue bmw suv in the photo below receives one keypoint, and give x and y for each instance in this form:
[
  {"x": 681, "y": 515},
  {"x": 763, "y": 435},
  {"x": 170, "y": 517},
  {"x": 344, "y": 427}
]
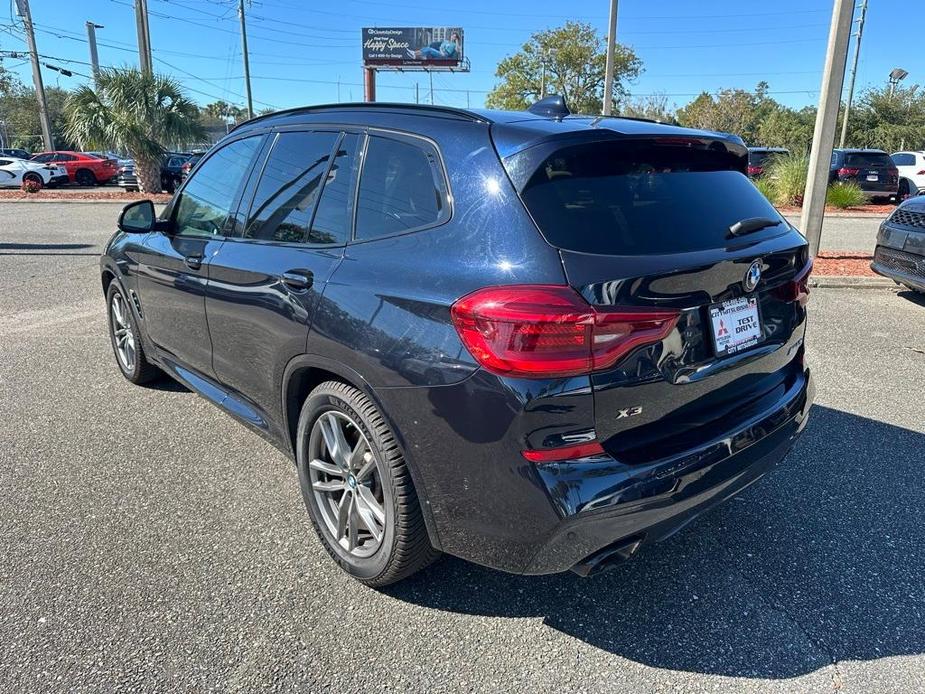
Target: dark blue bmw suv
[{"x": 533, "y": 340}]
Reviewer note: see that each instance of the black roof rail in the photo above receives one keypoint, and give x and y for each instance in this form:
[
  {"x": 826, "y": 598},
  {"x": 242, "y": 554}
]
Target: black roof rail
[{"x": 423, "y": 109}]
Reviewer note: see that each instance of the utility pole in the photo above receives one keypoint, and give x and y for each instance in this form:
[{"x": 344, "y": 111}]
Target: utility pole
[
  {"x": 24, "y": 12},
  {"x": 247, "y": 65},
  {"x": 854, "y": 72},
  {"x": 144, "y": 36},
  {"x": 94, "y": 58},
  {"x": 611, "y": 46},
  {"x": 543, "y": 77},
  {"x": 833, "y": 78}
]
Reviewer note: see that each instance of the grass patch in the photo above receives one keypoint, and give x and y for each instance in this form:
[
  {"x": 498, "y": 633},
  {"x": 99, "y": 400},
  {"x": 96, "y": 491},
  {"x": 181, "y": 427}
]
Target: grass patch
[
  {"x": 787, "y": 177},
  {"x": 844, "y": 195}
]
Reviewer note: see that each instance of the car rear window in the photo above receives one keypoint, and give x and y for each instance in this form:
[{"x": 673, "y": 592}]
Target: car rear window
[
  {"x": 868, "y": 159},
  {"x": 642, "y": 197}
]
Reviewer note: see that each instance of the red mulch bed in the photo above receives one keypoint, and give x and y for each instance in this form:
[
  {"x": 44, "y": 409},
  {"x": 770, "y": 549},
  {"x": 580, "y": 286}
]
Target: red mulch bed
[
  {"x": 841, "y": 263},
  {"x": 120, "y": 195},
  {"x": 882, "y": 210}
]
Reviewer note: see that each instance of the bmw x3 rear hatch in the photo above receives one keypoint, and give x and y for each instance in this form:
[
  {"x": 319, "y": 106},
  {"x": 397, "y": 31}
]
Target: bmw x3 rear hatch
[{"x": 672, "y": 224}]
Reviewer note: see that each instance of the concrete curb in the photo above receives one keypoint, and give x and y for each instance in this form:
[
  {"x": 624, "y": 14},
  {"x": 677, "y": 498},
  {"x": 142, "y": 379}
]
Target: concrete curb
[{"x": 851, "y": 282}]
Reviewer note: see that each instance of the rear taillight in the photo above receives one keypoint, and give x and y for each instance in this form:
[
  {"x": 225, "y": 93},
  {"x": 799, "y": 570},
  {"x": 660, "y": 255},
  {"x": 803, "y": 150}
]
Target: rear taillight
[
  {"x": 848, "y": 171},
  {"x": 549, "y": 331},
  {"x": 797, "y": 289},
  {"x": 552, "y": 455},
  {"x": 186, "y": 167},
  {"x": 755, "y": 170}
]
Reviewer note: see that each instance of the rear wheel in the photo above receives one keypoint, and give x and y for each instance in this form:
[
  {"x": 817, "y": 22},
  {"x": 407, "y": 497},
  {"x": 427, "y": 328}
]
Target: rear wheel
[
  {"x": 85, "y": 177},
  {"x": 125, "y": 338},
  {"x": 357, "y": 488}
]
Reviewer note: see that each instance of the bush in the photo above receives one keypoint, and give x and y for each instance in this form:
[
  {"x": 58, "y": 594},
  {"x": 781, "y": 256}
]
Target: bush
[
  {"x": 844, "y": 195},
  {"x": 31, "y": 186},
  {"x": 765, "y": 186},
  {"x": 787, "y": 174}
]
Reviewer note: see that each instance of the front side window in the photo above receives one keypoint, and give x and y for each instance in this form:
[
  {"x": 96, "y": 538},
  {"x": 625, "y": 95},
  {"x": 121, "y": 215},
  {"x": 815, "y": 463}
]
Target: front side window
[
  {"x": 289, "y": 186},
  {"x": 402, "y": 188},
  {"x": 205, "y": 204},
  {"x": 65, "y": 157}
]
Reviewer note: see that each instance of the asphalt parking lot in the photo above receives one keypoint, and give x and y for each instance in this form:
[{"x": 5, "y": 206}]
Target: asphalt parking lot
[{"x": 150, "y": 543}]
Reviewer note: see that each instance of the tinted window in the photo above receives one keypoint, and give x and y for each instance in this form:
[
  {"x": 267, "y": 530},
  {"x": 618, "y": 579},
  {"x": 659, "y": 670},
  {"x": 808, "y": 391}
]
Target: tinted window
[
  {"x": 335, "y": 208},
  {"x": 207, "y": 199},
  {"x": 65, "y": 157},
  {"x": 289, "y": 186},
  {"x": 867, "y": 159},
  {"x": 175, "y": 162},
  {"x": 43, "y": 158},
  {"x": 903, "y": 159},
  {"x": 641, "y": 198},
  {"x": 401, "y": 188}
]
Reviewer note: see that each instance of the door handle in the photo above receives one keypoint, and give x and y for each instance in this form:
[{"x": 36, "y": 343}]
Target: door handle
[
  {"x": 193, "y": 262},
  {"x": 299, "y": 280}
]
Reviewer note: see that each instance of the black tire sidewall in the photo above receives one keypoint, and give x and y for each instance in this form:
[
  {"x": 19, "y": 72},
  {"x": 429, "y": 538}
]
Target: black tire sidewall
[
  {"x": 366, "y": 568},
  {"x": 133, "y": 375},
  {"x": 85, "y": 177}
]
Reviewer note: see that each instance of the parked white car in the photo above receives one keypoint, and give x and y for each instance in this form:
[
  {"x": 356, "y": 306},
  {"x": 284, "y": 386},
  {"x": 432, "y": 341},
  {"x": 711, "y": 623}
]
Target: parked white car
[
  {"x": 911, "y": 167},
  {"x": 14, "y": 171}
]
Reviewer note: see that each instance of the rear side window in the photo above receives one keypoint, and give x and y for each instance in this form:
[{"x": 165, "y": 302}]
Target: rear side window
[
  {"x": 641, "y": 197},
  {"x": 402, "y": 188},
  {"x": 207, "y": 199},
  {"x": 334, "y": 217},
  {"x": 289, "y": 186},
  {"x": 860, "y": 159}
]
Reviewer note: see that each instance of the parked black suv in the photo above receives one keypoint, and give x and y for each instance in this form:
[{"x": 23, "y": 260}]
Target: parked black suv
[
  {"x": 872, "y": 169},
  {"x": 531, "y": 340}
]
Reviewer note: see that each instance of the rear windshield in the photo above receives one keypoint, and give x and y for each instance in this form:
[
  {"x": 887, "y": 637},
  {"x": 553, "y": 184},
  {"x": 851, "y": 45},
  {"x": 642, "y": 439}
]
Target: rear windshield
[
  {"x": 642, "y": 198},
  {"x": 868, "y": 159}
]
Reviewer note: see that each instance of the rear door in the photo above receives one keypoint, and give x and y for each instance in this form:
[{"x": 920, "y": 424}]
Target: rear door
[
  {"x": 646, "y": 224},
  {"x": 265, "y": 283}
]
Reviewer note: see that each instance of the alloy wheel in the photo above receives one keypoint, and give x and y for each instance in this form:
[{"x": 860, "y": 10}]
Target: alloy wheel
[
  {"x": 123, "y": 335},
  {"x": 346, "y": 483}
]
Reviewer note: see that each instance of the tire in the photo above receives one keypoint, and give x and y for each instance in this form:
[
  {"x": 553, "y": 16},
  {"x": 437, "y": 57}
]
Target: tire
[
  {"x": 138, "y": 369},
  {"x": 85, "y": 177},
  {"x": 403, "y": 547}
]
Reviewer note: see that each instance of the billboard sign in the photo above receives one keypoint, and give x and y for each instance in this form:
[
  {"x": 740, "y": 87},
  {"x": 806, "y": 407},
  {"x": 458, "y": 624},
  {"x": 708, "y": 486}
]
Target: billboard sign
[{"x": 413, "y": 47}]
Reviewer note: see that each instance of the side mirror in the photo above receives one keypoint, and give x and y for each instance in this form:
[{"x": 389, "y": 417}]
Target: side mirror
[{"x": 138, "y": 217}]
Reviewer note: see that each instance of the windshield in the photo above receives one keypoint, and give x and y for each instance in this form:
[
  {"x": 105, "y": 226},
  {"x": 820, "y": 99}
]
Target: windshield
[{"x": 642, "y": 198}]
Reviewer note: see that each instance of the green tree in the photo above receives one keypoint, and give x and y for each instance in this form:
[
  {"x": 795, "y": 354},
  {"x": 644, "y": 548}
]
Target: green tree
[
  {"x": 651, "y": 106},
  {"x": 786, "y": 127},
  {"x": 571, "y": 60},
  {"x": 137, "y": 112},
  {"x": 888, "y": 122},
  {"x": 734, "y": 111}
]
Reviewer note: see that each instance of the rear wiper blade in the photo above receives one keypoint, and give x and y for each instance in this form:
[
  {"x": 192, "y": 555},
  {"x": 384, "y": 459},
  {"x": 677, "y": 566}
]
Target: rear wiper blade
[{"x": 747, "y": 226}]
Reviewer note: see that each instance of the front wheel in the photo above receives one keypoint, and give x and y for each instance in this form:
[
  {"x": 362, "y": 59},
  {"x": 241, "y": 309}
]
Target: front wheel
[
  {"x": 357, "y": 487},
  {"x": 125, "y": 338}
]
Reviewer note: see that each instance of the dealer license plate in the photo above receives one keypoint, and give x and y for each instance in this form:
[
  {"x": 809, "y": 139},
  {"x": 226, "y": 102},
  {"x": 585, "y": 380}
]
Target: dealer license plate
[{"x": 736, "y": 325}]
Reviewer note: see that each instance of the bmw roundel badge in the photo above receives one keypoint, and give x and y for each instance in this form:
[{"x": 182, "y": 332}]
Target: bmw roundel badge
[{"x": 752, "y": 276}]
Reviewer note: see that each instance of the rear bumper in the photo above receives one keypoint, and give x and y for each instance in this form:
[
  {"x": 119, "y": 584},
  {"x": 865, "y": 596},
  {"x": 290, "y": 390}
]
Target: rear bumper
[{"x": 610, "y": 509}]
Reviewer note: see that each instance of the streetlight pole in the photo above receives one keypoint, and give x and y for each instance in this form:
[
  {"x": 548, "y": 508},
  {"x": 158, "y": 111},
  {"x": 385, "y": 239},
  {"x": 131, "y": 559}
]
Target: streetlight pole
[
  {"x": 854, "y": 72},
  {"x": 611, "y": 46},
  {"x": 94, "y": 58},
  {"x": 897, "y": 75},
  {"x": 820, "y": 156}
]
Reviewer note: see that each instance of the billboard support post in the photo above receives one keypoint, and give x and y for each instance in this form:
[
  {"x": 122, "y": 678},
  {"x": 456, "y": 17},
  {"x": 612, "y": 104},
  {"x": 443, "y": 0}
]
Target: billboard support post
[{"x": 369, "y": 82}]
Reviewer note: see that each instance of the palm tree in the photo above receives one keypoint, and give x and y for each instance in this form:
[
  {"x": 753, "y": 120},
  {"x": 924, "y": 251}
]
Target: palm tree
[{"x": 136, "y": 112}]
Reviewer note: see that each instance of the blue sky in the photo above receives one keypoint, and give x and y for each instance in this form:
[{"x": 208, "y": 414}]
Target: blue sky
[{"x": 308, "y": 51}]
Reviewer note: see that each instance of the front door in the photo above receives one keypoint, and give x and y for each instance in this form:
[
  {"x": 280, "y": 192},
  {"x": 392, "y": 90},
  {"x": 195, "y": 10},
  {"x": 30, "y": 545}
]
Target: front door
[
  {"x": 265, "y": 284},
  {"x": 173, "y": 265}
]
